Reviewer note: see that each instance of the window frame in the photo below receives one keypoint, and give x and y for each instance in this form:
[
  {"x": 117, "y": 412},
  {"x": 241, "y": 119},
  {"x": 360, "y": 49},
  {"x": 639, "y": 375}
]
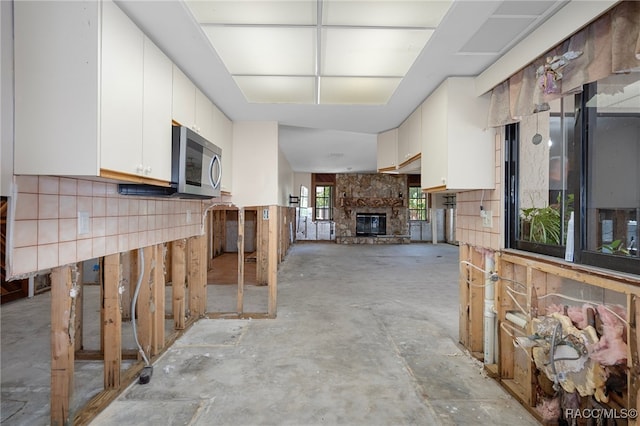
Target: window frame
[
  {"x": 330, "y": 200},
  {"x": 584, "y": 117},
  {"x": 425, "y": 199}
]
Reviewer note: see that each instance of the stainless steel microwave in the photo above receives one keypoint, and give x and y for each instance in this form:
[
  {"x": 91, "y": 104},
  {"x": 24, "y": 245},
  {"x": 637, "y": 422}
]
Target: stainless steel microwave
[
  {"x": 196, "y": 166},
  {"x": 196, "y": 169}
]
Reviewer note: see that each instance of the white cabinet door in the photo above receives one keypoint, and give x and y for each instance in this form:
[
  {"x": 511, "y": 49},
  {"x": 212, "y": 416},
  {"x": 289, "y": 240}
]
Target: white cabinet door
[
  {"x": 121, "y": 92},
  {"x": 156, "y": 118},
  {"x": 56, "y": 86},
  {"x": 203, "y": 116},
  {"x": 184, "y": 99},
  {"x": 458, "y": 151},
  {"x": 223, "y": 138},
  {"x": 387, "y": 150},
  {"x": 403, "y": 142},
  {"x": 415, "y": 133}
]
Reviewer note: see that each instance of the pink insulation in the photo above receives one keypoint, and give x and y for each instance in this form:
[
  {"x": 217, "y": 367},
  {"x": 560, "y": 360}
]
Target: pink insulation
[{"x": 611, "y": 349}]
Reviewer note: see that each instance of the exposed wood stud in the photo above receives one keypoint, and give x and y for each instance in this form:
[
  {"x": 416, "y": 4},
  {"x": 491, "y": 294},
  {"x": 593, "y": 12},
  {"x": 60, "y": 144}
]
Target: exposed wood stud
[
  {"x": 273, "y": 261},
  {"x": 158, "y": 289},
  {"x": 178, "y": 283},
  {"x": 112, "y": 322},
  {"x": 79, "y": 317},
  {"x": 62, "y": 346},
  {"x": 240, "y": 301},
  {"x": 143, "y": 307}
]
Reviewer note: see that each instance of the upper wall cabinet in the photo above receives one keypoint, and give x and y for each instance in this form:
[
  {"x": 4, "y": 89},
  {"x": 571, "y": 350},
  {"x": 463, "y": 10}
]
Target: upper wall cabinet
[
  {"x": 223, "y": 137},
  {"x": 410, "y": 143},
  {"x": 81, "y": 108},
  {"x": 191, "y": 108},
  {"x": 388, "y": 151},
  {"x": 458, "y": 151}
]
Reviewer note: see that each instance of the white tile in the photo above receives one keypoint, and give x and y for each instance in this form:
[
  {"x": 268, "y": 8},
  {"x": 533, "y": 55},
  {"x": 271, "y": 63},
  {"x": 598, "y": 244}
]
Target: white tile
[
  {"x": 67, "y": 252},
  {"x": 99, "y": 189},
  {"x": 25, "y": 233},
  {"x": 47, "y": 231},
  {"x": 123, "y": 242},
  {"x": 49, "y": 185},
  {"x": 68, "y": 186},
  {"x": 68, "y": 206},
  {"x": 67, "y": 229},
  {"x": 98, "y": 227},
  {"x": 111, "y": 226},
  {"x": 99, "y": 207},
  {"x": 85, "y": 204},
  {"x": 99, "y": 246},
  {"x": 133, "y": 207},
  {"x": 27, "y": 184},
  {"x": 111, "y": 244},
  {"x": 85, "y": 188},
  {"x": 123, "y": 225},
  {"x": 25, "y": 260},
  {"x": 48, "y": 256},
  {"x": 84, "y": 249},
  {"x": 27, "y": 206},
  {"x": 48, "y": 206},
  {"x": 133, "y": 224},
  {"x": 112, "y": 207},
  {"x": 123, "y": 206},
  {"x": 112, "y": 190}
]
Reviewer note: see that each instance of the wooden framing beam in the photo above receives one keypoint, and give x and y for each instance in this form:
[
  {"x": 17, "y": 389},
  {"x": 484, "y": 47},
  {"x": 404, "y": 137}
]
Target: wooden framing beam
[
  {"x": 112, "y": 322},
  {"x": 273, "y": 261},
  {"x": 178, "y": 275},
  {"x": 62, "y": 345},
  {"x": 158, "y": 297},
  {"x": 240, "y": 301},
  {"x": 197, "y": 273},
  {"x": 143, "y": 306},
  {"x": 79, "y": 317}
]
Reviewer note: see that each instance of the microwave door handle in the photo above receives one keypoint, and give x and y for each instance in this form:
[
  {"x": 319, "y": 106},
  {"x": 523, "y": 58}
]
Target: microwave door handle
[{"x": 215, "y": 182}]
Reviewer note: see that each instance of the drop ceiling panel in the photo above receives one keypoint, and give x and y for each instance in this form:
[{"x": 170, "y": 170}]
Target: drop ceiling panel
[
  {"x": 265, "y": 50},
  {"x": 300, "y": 12},
  {"x": 496, "y": 34},
  {"x": 370, "y": 52},
  {"x": 270, "y": 89},
  {"x": 357, "y": 90},
  {"x": 419, "y": 14}
]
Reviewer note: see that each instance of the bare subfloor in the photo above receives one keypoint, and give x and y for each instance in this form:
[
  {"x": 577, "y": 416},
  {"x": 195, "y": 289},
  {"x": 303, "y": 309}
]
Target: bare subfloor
[{"x": 364, "y": 335}]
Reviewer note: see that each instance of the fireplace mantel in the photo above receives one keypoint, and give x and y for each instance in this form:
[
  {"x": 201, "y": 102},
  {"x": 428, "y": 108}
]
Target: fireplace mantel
[{"x": 371, "y": 202}]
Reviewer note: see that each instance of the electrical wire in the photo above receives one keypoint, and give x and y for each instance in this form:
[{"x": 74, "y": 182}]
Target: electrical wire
[
  {"x": 133, "y": 306},
  {"x": 587, "y": 302},
  {"x": 518, "y": 304}
]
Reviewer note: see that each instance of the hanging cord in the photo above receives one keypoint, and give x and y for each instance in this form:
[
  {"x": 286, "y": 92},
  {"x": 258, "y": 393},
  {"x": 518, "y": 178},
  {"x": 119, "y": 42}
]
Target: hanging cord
[{"x": 133, "y": 305}]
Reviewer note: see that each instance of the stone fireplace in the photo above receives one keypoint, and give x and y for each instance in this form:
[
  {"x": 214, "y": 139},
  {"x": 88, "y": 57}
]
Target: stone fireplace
[{"x": 371, "y": 209}]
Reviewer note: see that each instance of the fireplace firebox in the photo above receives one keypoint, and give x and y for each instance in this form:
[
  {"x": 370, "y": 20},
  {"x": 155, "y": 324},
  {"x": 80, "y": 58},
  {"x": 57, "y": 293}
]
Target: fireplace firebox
[{"x": 371, "y": 224}]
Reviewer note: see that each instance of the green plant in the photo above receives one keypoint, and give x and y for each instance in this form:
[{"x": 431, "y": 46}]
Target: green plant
[
  {"x": 615, "y": 247},
  {"x": 541, "y": 224}
]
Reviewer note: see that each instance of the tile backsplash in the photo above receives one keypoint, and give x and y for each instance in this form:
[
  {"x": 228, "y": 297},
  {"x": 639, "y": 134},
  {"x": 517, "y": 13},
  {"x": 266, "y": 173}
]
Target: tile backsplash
[{"x": 46, "y": 229}]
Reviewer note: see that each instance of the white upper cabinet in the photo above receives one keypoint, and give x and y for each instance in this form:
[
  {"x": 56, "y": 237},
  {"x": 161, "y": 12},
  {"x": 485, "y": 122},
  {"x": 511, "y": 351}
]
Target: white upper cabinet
[
  {"x": 388, "y": 150},
  {"x": 223, "y": 138},
  {"x": 80, "y": 93},
  {"x": 410, "y": 143},
  {"x": 458, "y": 151},
  {"x": 191, "y": 108},
  {"x": 156, "y": 117},
  {"x": 184, "y": 99},
  {"x": 121, "y": 92},
  {"x": 410, "y": 137}
]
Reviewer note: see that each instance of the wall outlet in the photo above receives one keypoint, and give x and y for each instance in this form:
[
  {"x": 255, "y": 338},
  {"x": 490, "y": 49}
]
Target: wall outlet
[
  {"x": 84, "y": 223},
  {"x": 487, "y": 219},
  {"x": 188, "y": 216}
]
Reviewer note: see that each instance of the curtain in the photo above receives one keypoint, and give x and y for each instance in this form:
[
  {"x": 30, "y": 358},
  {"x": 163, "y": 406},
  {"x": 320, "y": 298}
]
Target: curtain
[{"x": 610, "y": 44}]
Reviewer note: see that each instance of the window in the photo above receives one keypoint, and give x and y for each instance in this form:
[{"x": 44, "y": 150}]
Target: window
[
  {"x": 324, "y": 202},
  {"x": 417, "y": 203},
  {"x": 573, "y": 177}
]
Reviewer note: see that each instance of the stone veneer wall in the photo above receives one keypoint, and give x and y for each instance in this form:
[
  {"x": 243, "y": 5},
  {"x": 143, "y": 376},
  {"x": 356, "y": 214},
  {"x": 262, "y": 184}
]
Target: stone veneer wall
[{"x": 371, "y": 193}]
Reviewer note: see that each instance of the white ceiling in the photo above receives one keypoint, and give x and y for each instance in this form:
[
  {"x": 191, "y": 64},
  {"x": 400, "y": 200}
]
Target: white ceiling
[{"x": 342, "y": 138}]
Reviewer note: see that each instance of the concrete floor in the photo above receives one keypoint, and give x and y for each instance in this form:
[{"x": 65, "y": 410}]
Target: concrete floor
[{"x": 364, "y": 335}]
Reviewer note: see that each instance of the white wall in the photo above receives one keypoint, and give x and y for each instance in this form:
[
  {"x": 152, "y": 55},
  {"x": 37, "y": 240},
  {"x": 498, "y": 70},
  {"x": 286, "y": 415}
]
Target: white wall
[
  {"x": 6, "y": 96},
  {"x": 285, "y": 180},
  {"x": 255, "y": 160}
]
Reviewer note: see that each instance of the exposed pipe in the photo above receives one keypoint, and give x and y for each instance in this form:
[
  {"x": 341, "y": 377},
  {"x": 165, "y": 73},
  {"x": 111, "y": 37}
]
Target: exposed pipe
[
  {"x": 147, "y": 371},
  {"x": 489, "y": 311}
]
